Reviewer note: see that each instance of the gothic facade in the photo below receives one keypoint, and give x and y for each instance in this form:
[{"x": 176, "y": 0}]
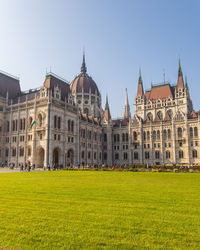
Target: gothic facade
[{"x": 63, "y": 123}]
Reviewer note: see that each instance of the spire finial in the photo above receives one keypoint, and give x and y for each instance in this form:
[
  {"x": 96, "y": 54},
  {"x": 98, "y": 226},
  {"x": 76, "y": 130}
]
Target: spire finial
[
  {"x": 83, "y": 67},
  {"x": 186, "y": 83},
  {"x": 106, "y": 100},
  {"x": 140, "y": 91},
  {"x": 179, "y": 67},
  {"x": 127, "y": 113},
  {"x": 140, "y": 76}
]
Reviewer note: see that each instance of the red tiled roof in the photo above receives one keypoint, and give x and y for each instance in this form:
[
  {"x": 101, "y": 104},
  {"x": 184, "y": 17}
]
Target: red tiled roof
[
  {"x": 180, "y": 83},
  {"x": 140, "y": 91},
  {"x": 193, "y": 114},
  {"x": 160, "y": 92},
  {"x": 147, "y": 93}
]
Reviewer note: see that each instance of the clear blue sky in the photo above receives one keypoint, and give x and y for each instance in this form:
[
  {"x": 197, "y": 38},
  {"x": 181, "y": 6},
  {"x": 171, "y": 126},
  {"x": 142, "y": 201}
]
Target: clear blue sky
[{"x": 119, "y": 37}]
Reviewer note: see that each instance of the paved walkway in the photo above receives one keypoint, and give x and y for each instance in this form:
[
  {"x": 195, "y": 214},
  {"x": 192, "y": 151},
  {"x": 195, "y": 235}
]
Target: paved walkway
[{"x": 8, "y": 170}]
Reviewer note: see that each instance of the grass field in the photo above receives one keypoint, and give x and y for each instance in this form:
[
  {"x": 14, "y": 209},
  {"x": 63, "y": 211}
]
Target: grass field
[{"x": 113, "y": 210}]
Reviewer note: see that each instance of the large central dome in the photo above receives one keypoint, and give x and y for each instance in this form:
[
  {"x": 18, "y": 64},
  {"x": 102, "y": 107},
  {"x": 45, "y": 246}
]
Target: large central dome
[
  {"x": 86, "y": 93},
  {"x": 83, "y": 82}
]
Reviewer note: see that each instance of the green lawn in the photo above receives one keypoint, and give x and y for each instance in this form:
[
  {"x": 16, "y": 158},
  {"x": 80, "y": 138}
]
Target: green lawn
[{"x": 90, "y": 209}]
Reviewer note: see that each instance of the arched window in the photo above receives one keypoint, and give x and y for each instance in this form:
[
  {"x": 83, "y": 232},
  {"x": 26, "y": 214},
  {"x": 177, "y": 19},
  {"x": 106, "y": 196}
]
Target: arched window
[
  {"x": 154, "y": 135},
  {"x": 59, "y": 122},
  {"x": 40, "y": 120},
  {"x": 160, "y": 115},
  {"x": 158, "y": 134},
  {"x": 126, "y": 136},
  {"x": 195, "y": 131},
  {"x": 21, "y": 152},
  {"x": 150, "y": 116},
  {"x": 82, "y": 154},
  {"x": 116, "y": 156},
  {"x": 194, "y": 153},
  {"x": 170, "y": 113},
  {"x": 180, "y": 154},
  {"x": 157, "y": 154},
  {"x": 146, "y": 155},
  {"x": 69, "y": 125},
  {"x": 55, "y": 121},
  {"x": 6, "y": 152},
  {"x": 167, "y": 154},
  {"x": 72, "y": 126},
  {"x": 191, "y": 132},
  {"x": 135, "y": 155},
  {"x": 180, "y": 132},
  {"x": 165, "y": 134},
  {"x": 169, "y": 133},
  {"x": 13, "y": 152},
  {"x": 148, "y": 136},
  {"x": 144, "y": 136},
  {"x": 135, "y": 136},
  {"x": 125, "y": 156}
]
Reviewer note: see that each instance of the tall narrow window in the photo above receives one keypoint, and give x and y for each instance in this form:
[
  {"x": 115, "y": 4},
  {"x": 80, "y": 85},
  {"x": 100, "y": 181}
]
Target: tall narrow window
[
  {"x": 72, "y": 126},
  {"x": 55, "y": 121},
  {"x": 195, "y": 132},
  {"x": 59, "y": 121},
  {"x": 69, "y": 126}
]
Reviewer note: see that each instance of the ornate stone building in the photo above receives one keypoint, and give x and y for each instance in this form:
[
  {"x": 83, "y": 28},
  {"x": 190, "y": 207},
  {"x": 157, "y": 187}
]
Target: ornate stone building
[
  {"x": 63, "y": 123},
  {"x": 163, "y": 130}
]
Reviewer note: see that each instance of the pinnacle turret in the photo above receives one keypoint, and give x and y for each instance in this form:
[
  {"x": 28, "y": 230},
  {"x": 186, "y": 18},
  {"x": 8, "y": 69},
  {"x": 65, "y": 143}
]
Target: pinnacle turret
[
  {"x": 107, "y": 115},
  {"x": 127, "y": 113},
  {"x": 180, "y": 83},
  {"x": 140, "y": 91}
]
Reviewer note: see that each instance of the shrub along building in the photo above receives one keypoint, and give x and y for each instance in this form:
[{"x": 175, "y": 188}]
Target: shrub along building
[{"x": 64, "y": 124}]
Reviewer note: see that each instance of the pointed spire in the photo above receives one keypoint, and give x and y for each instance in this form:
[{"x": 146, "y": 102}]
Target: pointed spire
[
  {"x": 140, "y": 91},
  {"x": 107, "y": 115},
  {"x": 186, "y": 83},
  {"x": 179, "y": 68},
  {"x": 127, "y": 113},
  {"x": 180, "y": 76},
  {"x": 107, "y": 106},
  {"x": 186, "y": 86},
  {"x": 83, "y": 67}
]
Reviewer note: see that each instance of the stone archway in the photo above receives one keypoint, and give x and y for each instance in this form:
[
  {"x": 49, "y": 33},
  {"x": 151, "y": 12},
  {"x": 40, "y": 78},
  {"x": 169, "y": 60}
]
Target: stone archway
[
  {"x": 56, "y": 157},
  {"x": 40, "y": 158},
  {"x": 69, "y": 157}
]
